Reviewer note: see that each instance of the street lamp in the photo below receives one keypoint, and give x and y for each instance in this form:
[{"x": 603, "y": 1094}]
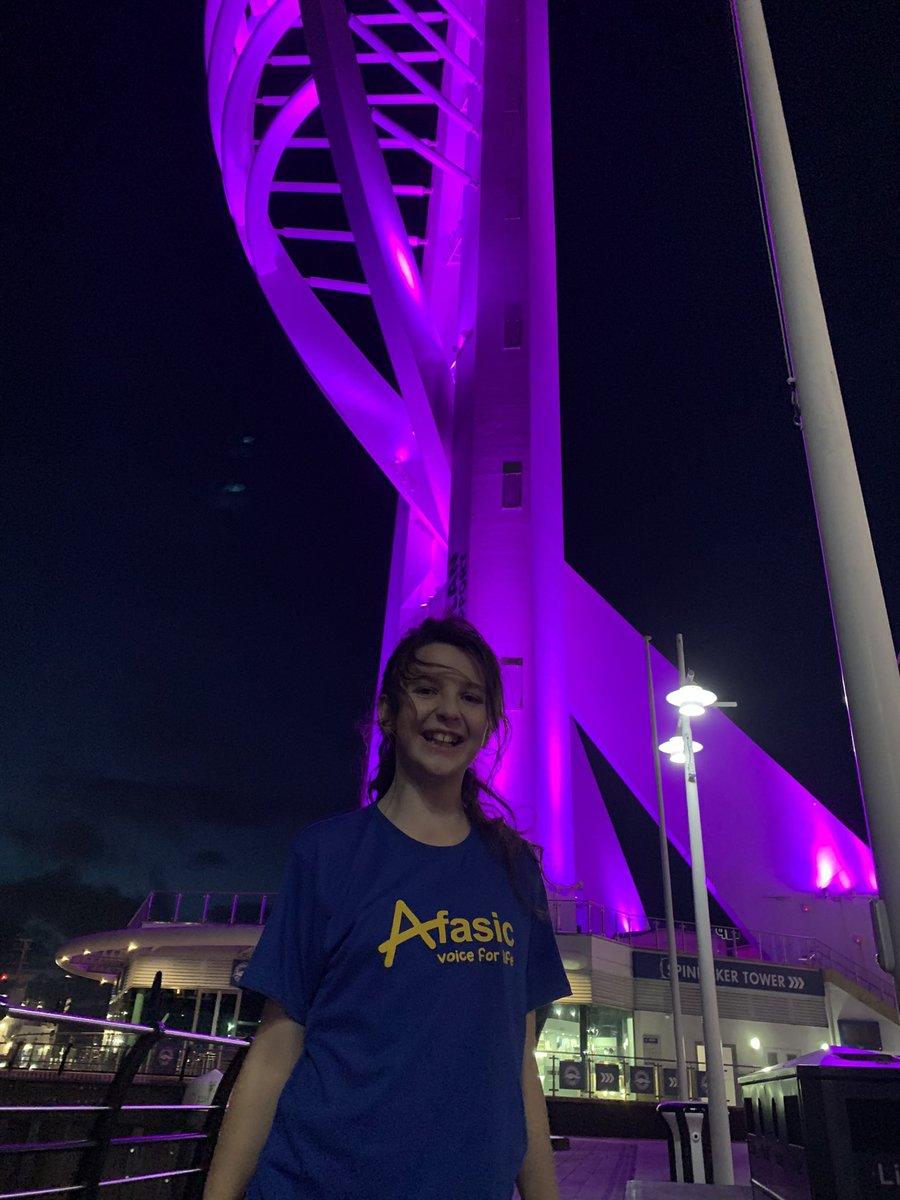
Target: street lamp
[
  {"x": 692, "y": 701},
  {"x": 676, "y": 749}
]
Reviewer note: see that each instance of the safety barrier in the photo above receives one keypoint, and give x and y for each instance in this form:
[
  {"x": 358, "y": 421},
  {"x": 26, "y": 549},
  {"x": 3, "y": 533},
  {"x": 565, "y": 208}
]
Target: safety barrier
[
  {"x": 574, "y": 915},
  {"x": 116, "y": 1130},
  {"x": 607, "y": 1077}
]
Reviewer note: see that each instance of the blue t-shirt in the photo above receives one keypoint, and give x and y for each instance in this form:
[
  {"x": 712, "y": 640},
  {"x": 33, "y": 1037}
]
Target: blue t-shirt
[{"x": 412, "y": 968}]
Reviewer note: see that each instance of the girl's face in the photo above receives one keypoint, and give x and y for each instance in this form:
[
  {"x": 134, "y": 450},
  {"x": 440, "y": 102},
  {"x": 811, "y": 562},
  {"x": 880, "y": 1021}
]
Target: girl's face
[{"x": 443, "y": 721}]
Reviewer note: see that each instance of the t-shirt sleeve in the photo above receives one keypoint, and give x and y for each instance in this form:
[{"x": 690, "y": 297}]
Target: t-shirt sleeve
[
  {"x": 289, "y": 960},
  {"x": 546, "y": 979}
]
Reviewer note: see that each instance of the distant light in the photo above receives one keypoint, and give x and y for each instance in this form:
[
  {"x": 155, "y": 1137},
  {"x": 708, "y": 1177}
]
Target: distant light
[
  {"x": 824, "y": 1046},
  {"x": 755, "y": 1043},
  {"x": 132, "y": 946},
  {"x": 691, "y": 699}
]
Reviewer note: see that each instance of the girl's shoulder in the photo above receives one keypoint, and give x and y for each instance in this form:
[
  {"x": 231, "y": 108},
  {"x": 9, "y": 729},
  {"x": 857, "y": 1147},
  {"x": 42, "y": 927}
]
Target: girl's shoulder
[{"x": 331, "y": 834}]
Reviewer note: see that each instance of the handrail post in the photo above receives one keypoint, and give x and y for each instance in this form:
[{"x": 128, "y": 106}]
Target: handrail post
[
  {"x": 213, "y": 1124},
  {"x": 67, "y": 1050},
  {"x": 90, "y": 1169}
]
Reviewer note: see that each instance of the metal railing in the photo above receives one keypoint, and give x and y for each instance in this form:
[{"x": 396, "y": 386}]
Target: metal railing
[
  {"x": 27, "y": 1166},
  {"x": 624, "y": 1077},
  {"x": 99, "y": 1053},
  {"x": 203, "y": 908},
  {"x": 571, "y": 915}
]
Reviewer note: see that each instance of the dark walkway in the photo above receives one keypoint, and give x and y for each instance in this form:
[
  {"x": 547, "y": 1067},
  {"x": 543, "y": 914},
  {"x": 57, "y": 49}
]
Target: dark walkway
[{"x": 599, "y": 1168}]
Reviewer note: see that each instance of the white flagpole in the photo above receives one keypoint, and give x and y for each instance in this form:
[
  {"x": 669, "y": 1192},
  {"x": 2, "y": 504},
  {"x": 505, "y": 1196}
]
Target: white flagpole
[{"x": 865, "y": 647}]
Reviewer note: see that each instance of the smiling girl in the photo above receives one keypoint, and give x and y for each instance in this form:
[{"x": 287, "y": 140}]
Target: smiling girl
[{"x": 407, "y": 954}]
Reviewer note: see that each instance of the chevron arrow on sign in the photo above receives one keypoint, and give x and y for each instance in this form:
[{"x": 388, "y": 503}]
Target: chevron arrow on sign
[{"x": 607, "y": 1078}]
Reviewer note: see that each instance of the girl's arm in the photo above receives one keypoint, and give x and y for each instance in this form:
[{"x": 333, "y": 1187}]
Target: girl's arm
[
  {"x": 269, "y": 1062},
  {"x": 537, "y": 1175}
]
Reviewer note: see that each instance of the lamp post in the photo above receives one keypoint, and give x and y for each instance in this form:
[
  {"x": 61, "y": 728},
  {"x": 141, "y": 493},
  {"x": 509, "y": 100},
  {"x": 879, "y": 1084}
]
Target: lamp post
[
  {"x": 677, "y": 1028},
  {"x": 692, "y": 700}
]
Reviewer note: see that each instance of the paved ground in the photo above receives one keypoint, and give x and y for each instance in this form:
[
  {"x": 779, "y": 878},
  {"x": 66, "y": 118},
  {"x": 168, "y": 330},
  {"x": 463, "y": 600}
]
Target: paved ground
[{"x": 599, "y": 1168}]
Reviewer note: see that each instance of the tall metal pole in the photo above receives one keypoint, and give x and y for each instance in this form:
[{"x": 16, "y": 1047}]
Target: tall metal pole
[
  {"x": 719, "y": 1132},
  {"x": 865, "y": 647},
  {"x": 677, "y": 1026}
]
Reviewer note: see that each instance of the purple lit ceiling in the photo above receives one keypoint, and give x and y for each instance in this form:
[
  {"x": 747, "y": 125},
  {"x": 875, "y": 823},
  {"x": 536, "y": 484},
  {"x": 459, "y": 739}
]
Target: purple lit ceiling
[{"x": 388, "y": 170}]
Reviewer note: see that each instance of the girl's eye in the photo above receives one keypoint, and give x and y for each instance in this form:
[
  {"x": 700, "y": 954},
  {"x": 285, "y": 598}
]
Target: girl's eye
[
  {"x": 472, "y": 699},
  {"x": 423, "y": 690}
]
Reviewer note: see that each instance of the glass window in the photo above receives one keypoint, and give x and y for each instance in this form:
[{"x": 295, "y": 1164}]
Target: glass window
[
  {"x": 178, "y": 1006},
  {"x": 861, "y": 1035},
  {"x": 585, "y": 1034},
  {"x": 225, "y": 1026},
  {"x": 248, "y": 1014},
  {"x": 206, "y": 1012}
]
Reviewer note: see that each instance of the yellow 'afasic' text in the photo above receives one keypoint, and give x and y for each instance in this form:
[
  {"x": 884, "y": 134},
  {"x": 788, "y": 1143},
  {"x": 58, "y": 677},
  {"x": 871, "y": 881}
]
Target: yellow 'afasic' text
[{"x": 460, "y": 930}]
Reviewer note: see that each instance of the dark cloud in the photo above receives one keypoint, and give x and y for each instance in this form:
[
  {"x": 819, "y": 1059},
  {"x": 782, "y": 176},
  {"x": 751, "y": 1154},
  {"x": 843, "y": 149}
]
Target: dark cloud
[
  {"x": 207, "y": 858},
  {"x": 34, "y": 905},
  {"x": 67, "y": 842},
  {"x": 141, "y": 802}
]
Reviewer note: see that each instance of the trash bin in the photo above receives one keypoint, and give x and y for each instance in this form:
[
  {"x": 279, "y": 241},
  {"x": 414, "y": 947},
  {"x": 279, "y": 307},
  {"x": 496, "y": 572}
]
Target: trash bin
[
  {"x": 825, "y": 1126},
  {"x": 690, "y": 1152}
]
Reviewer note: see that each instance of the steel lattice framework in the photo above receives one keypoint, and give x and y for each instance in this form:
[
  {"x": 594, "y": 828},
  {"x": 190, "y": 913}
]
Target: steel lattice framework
[{"x": 387, "y": 164}]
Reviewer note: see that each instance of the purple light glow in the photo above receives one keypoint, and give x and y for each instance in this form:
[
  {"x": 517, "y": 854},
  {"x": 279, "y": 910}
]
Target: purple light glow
[
  {"x": 472, "y": 342},
  {"x": 407, "y": 270},
  {"x": 829, "y": 872},
  {"x": 770, "y": 845}
]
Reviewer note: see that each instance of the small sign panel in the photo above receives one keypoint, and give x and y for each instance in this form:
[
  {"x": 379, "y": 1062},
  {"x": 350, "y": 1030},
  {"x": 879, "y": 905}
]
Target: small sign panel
[
  {"x": 670, "y": 1081},
  {"x": 163, "y": 1058},
  {"x": 571, "y": 1075},
  {"x": 642, "y": 1081},
  {"x": 606, "y": 1076}
]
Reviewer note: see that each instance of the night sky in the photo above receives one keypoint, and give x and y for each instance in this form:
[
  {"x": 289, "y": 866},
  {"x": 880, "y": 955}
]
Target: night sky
[{"x": 195, "y": 550}]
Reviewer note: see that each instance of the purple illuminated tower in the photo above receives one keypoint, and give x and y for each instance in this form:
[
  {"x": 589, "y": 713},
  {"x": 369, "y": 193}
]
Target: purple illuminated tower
[{"x": 387, "y": 164}]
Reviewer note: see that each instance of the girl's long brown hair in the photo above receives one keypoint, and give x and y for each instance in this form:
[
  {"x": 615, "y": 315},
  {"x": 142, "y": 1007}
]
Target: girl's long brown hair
[{"x": 485, "y": 807}]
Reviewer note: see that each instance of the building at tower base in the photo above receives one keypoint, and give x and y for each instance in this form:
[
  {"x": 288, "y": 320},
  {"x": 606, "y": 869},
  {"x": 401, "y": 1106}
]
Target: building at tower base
[{"x": 611, "y": 1038}]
